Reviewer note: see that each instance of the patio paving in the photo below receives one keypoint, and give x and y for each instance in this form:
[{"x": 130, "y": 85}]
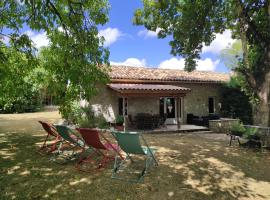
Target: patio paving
[{"x": 175, "y": 129}]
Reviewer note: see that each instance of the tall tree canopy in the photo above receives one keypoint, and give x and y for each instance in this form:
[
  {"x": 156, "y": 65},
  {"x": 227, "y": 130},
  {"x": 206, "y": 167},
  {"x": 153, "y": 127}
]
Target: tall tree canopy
[
  {"x": 193, "y": 24},
  {"x": 75, "y": 57},
  {"x": 231, "y": 55}
]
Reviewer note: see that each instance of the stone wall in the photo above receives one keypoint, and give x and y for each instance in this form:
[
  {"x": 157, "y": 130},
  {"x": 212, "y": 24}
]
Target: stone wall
[
  {"x": 195, "y": 102},
  {"x": 143, "y": 105},
  {"x": 105, "y": 102},
  {"x": 222, "y": 125}
]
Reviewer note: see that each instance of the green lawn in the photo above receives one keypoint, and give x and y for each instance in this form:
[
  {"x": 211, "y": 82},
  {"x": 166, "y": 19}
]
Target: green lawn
[{"x": 192, "y": 166}]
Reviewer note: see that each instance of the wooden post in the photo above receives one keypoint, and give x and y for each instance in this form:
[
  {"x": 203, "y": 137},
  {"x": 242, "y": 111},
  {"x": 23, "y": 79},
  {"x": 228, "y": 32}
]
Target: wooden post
[
  {"x": 124, "y": 112},
  {"x": 177, "y": 112}
]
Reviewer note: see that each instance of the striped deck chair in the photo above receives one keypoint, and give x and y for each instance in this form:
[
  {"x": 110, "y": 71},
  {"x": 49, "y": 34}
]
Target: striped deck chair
[
  {"x": 49, "y": 145},
  {"x": 130, "y": 143},
  {"x": 71, "y": 145},
  {"x": 104, "y": 151}
]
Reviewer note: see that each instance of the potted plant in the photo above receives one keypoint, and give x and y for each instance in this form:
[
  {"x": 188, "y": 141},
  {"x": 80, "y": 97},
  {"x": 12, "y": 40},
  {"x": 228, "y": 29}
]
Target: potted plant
[
  {"x": 252, "y": 134},
  {"x": 119, "y": 122},
  {"x": 237, "y": 129}
]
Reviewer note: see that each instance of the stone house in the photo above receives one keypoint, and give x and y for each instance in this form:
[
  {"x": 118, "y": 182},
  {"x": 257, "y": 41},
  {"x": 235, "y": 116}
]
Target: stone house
[{"x": 176, "y": 93}]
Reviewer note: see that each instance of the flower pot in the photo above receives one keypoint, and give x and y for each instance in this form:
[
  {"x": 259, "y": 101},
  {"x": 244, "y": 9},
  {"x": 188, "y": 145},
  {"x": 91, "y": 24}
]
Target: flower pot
[{"x": 119, "y": 127}]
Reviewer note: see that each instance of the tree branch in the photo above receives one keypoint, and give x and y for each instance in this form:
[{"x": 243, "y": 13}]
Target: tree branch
[
  {"x": 252, "y": 28},
  {"x": 54, "y": 9}
]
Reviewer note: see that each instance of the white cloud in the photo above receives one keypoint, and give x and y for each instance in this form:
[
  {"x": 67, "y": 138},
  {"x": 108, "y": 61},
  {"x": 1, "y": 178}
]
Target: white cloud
[
  {"x": 173, "y": 63},
  {"x": 131, "y": 62},
  {"x": 4, "y": 39},
  {"x": 148, "y": 34},
  {"x": 39, "y": 39},
  {"x": 202, "y": 65},
  {"x": 20, "y": 2},
  {"x": 111, "y": 35},
  {"x": 220, "y": 42},
  {"x": 207, "y": 64}
]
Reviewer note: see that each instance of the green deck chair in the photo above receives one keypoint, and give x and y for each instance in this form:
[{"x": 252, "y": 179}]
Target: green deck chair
[
  {"x": 74, "y": 145},
  {"x": 131, "y": 145}
]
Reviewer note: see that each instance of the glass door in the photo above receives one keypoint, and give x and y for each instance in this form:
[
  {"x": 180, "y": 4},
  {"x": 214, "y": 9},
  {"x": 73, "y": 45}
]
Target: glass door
[
  {"x": 167, "y": 105},
  {"x": 170, "y": 107}
]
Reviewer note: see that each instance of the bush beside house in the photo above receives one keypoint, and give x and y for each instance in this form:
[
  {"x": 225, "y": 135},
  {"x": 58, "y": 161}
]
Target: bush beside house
[
  {"x": 235, "y": 104},
  {"x": 85, "y": 117}
]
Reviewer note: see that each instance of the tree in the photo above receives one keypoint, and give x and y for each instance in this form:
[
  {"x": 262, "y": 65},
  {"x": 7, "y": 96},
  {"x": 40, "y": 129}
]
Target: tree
[
  {"x": 231, "y": 55},
  {"x": 75, "y": 60},
  {"x": 235, "y": 103},
  {"x": 193, "y": 24},
  {"x": 18, "y": 93}
]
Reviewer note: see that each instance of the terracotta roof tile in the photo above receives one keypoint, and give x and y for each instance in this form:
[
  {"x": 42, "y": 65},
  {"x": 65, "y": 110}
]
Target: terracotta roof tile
[
  {"x": 156, "y": 74},
  {"x": 148, "y": 87}
]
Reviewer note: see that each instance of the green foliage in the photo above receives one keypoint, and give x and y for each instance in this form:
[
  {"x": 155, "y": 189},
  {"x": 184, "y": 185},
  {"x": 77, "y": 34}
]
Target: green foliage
[
  {"x": 75, "y": 61},
  {"x": 192, "y": 24},
  {"x": 18, "y": 91},
  {"x": 232, "y": 55},
  {"x": 195, "y": 23},
  {"x": 119, "y": 120},
  {"x": 73, "y": 113},
  {"x": 85, "y": 117},
  {"x": 101, "y": 122},
  {"x": 237, "y": 129},
  {"x": 235, "y": 103},
  {"x": 29, "y": 102},
  {"x": 251, "y": 133}
]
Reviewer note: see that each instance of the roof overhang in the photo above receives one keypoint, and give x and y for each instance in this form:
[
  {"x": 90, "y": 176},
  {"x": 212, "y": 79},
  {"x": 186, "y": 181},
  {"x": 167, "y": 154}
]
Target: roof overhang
[
  {"x": 148, "y": 90},
  {"x": 164, "y": 81}
]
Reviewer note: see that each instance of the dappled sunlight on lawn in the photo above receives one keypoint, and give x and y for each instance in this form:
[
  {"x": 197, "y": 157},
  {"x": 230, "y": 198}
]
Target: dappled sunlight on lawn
[
  {"x": 202, "y": 167},
  {"x": 191, "y": 166}
]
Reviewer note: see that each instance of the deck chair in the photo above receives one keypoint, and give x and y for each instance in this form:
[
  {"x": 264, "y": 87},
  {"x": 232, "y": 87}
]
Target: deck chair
[
  {"x": 131, "y": 145},
  {"x": 71, "y": 145},
  {"x": 49, "y": 145},
  {"x": 92, "y": 138}
]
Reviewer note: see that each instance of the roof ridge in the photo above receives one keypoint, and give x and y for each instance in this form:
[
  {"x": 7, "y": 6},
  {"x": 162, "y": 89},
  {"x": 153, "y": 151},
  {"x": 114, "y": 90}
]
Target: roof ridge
[
  {"x": 167, "y": 69},
  {"x": 144, "y": 73}
]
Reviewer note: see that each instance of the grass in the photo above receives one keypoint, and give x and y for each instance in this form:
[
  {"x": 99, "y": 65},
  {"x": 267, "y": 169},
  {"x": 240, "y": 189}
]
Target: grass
[{"x": 191, "y": 166}]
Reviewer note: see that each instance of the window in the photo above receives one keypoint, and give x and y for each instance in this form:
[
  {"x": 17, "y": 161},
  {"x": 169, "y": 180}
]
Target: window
[
  {"x": 211, "y": 105},
  {"x": 122, "y": 106}
]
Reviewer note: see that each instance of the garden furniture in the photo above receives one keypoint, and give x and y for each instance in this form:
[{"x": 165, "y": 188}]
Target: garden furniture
[
  {"x": 92, "y": 138},
  {"x": 49, "y": 146},
  {"x": 71, "y": 145},
  {"x": 131, "y": 145}
]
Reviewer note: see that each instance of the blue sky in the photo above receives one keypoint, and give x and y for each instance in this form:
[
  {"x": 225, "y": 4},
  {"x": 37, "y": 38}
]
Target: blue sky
[{"x": 135, "y": 46}]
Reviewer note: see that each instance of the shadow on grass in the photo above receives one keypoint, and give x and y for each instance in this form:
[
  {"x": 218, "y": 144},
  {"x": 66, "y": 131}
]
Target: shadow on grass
[{"x": 190, "y": 167}]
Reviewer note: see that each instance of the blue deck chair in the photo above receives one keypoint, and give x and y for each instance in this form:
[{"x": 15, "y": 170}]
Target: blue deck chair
[
  {"x": 131, "y": 145},
  {"x": 70, "y": 142}
]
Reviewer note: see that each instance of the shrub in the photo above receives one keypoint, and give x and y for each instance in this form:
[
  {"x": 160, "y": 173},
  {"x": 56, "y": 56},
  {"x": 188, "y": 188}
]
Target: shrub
[
  {"x": 73, "y": 113},
  {"x": 85, "y": 117},
  {"x": 29, "y": 102},
  {"x": 119, "y": 120},
  {"x": 251, "y": 133},
  {"x": 101, "y": 122},
  {"x": 235, "y": 103},
  {"x": 237, "y": 129}
]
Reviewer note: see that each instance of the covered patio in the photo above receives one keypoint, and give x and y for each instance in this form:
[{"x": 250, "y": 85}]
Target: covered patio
[
  {"x": 146, "y": 102},
  {"x": 184, "y": 128}
]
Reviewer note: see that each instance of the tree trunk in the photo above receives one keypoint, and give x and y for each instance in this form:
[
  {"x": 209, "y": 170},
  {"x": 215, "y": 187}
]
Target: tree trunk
[
  {"x": 252, "y": 37},
  {"x": 261, "y": 112}
]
